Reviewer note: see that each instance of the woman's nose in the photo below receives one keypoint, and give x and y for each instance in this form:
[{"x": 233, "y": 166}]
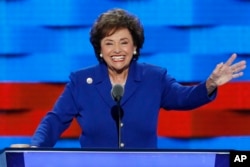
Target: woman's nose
[{"x": 117, "y": 48}]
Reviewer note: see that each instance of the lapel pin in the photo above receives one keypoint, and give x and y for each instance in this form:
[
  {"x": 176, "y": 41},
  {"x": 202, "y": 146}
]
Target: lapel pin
[{"x": 89, "y": 80}]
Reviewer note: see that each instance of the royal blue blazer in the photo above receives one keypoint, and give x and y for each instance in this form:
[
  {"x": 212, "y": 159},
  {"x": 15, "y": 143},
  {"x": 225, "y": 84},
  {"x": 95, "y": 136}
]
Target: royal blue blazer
[{"x": 87, "y": 97}]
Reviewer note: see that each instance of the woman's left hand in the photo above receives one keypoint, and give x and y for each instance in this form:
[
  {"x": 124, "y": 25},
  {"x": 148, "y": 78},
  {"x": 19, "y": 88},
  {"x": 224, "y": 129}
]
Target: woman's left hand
[{"x": 224, "y": 72}]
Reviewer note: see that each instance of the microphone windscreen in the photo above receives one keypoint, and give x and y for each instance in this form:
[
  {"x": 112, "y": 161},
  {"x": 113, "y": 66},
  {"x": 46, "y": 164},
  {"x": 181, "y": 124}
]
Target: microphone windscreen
[{"x": 117, "y": 92}]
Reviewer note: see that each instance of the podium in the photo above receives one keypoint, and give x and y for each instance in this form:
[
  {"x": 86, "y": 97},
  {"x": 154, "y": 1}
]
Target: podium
[{"x": 36, "y": 157}]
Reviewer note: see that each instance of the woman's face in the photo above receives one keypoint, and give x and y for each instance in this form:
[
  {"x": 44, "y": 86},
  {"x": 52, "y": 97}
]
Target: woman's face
[{"x": 117, "y": 50}]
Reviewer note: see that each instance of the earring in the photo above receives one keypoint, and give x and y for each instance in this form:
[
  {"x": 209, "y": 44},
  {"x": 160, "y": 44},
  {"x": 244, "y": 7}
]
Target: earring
[
  {"x": 134, "y": 52},
  {"x": 100, "y": 55}
]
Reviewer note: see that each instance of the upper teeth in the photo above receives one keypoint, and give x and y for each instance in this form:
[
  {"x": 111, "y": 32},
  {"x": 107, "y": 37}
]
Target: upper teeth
[{"x": 117, "y": 57}]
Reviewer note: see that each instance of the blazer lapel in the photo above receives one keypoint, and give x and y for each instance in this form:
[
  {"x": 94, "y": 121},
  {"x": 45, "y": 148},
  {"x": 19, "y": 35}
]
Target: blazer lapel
[
  {"x": 133, "y": 81},
  {"x": 103, "y": 84}
]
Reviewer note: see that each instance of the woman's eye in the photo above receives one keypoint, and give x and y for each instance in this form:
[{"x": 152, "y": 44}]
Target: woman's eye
[{"x": 124, "y": 43}]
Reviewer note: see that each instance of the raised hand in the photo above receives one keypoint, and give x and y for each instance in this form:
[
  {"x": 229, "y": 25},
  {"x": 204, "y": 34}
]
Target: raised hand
[{"x": 224, "y": 72}]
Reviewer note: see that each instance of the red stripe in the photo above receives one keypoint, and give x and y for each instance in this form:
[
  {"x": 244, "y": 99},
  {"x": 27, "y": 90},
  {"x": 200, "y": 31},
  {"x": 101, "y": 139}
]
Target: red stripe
[
  {"x": 22, "y": 106},
  {"x": 228, "y": 115}
]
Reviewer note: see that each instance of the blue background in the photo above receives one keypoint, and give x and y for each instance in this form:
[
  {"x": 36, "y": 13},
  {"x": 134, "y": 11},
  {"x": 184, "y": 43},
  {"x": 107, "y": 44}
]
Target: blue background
[{"x": 50, "y": 38}]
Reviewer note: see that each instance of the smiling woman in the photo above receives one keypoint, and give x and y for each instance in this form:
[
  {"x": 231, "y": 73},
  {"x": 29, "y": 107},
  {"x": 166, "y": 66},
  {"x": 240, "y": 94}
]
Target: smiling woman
[
  {"x": 117, "y": 51},
  {"x": 117, "y": 37}
]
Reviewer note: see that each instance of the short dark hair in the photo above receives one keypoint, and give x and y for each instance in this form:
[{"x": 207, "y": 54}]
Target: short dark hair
[{"x": 108, "y": 22}]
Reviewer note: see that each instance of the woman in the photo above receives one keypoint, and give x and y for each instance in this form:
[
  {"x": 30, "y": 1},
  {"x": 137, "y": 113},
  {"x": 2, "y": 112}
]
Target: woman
[{"x": 117, "y": 38}]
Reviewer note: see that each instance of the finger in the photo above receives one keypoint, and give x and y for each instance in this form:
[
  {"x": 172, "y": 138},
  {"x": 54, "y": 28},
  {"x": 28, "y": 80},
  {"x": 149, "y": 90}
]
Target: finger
[
  {"x": 241, "y": 63},
  {"x": 218, "y": 67},
  {"x": 231, "y": 59},
  {"x": 238, "y": 75},
  {"x": 238, "y": 66}
]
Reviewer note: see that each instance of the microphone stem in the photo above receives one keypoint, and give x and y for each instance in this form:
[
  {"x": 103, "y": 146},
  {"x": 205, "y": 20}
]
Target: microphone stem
[{"x": 119, "y": 124}]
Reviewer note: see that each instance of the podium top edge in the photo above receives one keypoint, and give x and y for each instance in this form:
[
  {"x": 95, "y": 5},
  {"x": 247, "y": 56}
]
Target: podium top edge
[{"x": 43, "y": 149}]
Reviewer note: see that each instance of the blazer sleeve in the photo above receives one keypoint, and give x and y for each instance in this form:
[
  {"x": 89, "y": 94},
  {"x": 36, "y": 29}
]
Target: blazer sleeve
[
  {"x": 57, "y": 120},
  {"x": 176, "y": 96}
]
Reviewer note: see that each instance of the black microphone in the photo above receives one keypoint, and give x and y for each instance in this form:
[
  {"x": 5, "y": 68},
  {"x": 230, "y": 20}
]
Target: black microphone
[{"x": 117, "y": 92}]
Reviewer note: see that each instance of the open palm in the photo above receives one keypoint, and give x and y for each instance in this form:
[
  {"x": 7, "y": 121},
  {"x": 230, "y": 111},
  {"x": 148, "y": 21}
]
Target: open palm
[{"x": 224, "y": 72}]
